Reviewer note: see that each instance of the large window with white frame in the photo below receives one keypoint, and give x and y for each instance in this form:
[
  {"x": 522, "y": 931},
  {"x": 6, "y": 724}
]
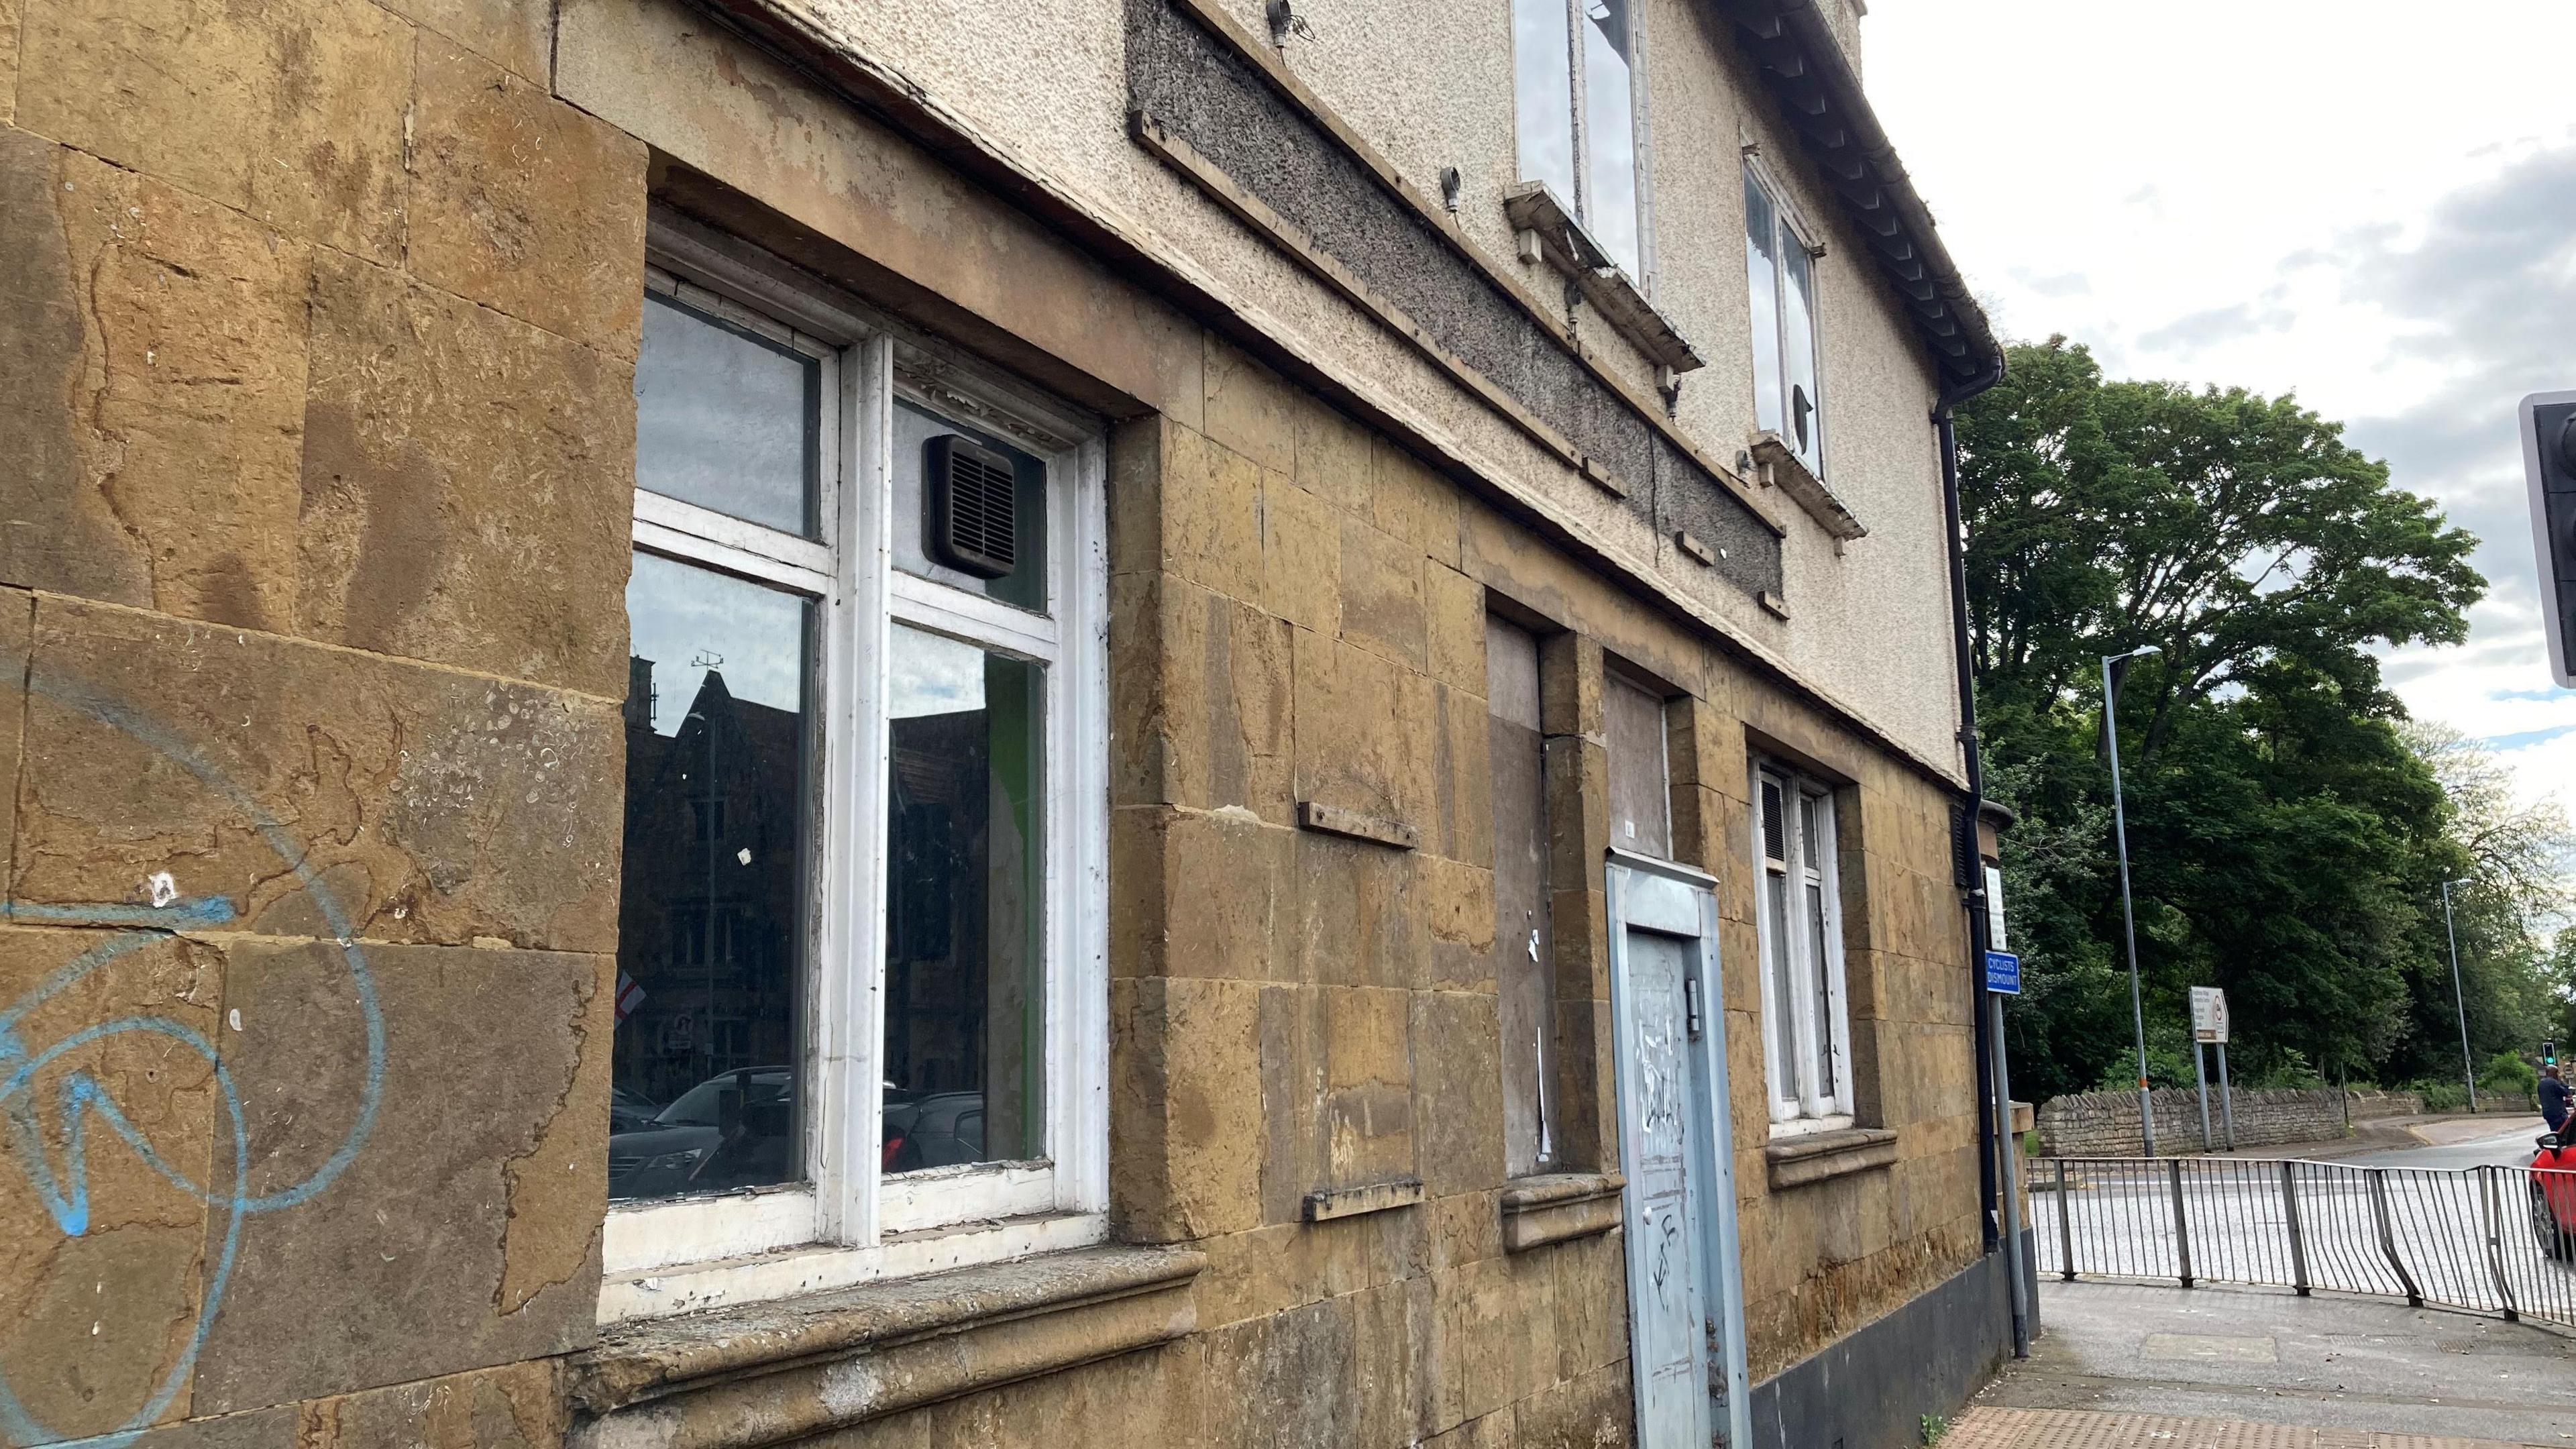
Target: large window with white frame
[
  {"x": 1780, "y": 276},
  {"x": 1575, "y": 82},
  {"x": 861, "y": 965},
  {"x": 1806, "y": 1041}
]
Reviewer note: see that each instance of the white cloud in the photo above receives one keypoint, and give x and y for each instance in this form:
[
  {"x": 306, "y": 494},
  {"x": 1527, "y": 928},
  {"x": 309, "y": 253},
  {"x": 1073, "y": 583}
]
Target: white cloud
[{"x": 2370, "y": 205}]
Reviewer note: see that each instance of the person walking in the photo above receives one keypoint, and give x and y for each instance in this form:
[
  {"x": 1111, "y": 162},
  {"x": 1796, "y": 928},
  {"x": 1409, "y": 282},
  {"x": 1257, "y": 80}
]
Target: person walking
[{"x": 2554, "y": 1098}]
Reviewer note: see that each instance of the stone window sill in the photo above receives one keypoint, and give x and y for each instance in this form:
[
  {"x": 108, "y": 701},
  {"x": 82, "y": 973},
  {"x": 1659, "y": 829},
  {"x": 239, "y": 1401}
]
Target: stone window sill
[
  {"x": 1818, "y": 1156},
  {"x": 1777, "y": 465},
  {"x": 1559, "y": 1207},
  {"x": 770, "y": 1372},
  {"x": 1550, "y": 233}
]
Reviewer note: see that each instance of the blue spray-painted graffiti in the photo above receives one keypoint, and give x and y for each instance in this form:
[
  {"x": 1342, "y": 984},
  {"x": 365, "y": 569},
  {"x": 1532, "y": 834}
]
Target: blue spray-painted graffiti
[{"x": 80, "y": 1098}]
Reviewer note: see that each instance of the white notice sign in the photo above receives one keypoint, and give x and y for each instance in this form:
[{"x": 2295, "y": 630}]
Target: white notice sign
[{"x": 2209, "y": 1014}]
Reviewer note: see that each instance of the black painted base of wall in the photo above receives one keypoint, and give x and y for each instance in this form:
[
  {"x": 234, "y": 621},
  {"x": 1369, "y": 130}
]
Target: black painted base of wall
[{"x": 1872, "y": 1389}]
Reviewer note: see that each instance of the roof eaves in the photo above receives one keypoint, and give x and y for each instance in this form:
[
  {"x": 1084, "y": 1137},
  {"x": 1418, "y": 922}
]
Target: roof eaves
[{"x": 1819, "y": 94}]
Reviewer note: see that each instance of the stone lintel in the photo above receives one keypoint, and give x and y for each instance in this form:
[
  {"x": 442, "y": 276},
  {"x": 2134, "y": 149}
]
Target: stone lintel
[
  {"x": 1795, "y": 1161},
  {"x": 1327, "y": 1204},
  {"x": 771, "y": 1372},
  {"x": 1559, "y": 1207},
  {"x": 1334, "y": 820}
]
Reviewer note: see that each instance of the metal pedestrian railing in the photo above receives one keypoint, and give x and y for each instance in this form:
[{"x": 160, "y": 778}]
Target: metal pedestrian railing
[{"x": 2484, "y": 1240}]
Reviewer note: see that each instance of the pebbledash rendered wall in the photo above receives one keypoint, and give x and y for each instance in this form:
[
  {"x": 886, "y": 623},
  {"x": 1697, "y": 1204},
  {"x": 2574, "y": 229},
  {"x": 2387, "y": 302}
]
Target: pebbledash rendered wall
[{"x": 317, "y": 335}]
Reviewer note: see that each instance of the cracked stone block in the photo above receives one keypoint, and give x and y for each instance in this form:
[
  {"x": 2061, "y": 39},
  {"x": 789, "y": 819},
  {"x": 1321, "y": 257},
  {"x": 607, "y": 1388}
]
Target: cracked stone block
[
  {"x": 468, "y": 484},
  {"x": 154, "y": 357},
  {"x": 105, "y": 1276},
  {"x": 315, "y": 791},
  {"x": 522, "y": 202},
  {"x": 462, "y": 1229},
  {"x": 292, "y": 111}
]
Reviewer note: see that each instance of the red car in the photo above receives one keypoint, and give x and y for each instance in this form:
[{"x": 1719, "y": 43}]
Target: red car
[{"x": 2553, "y": 1196}]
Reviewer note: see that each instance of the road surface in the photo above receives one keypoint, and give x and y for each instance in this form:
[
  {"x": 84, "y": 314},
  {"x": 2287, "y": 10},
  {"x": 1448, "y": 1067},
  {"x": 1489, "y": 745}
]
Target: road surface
[
  {"x": 2454, "y": 1224},
  {"x": 2507, "y": 1146}
]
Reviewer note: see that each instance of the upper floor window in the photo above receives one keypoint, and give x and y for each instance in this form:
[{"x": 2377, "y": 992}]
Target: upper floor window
[
  {"x": 1780, "y": 273},
  {"x": 1807, "y": 1032},
  {"x": 1575, "y": 79},
  {"x": 861, "y": 950}
]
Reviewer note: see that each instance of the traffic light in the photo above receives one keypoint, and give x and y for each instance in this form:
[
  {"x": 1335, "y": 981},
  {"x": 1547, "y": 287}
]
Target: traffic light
[
  {"x": 2549, "y": 461},
  {"x": 2549, "y": 1054}
]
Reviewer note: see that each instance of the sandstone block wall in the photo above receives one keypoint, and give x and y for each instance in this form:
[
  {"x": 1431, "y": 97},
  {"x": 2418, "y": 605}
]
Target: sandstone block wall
[
  {"x": 316, "y": 350},
  {"x": 316, "y": 335}
]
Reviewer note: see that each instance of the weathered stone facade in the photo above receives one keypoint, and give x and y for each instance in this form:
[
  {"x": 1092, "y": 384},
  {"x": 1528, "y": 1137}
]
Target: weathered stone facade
[{"x": 318, "y": 330}]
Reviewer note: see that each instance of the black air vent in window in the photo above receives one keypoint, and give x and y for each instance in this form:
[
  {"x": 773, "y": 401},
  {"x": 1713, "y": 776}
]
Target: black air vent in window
[
  {"x": 970, "y": 495},
  {"x": 1775, "y": 842}
]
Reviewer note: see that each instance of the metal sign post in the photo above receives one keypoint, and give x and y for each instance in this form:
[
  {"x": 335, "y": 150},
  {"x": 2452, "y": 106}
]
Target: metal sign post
[
  {"x": 2200, "y": 1079},
  {"x": 2209, "y": 1026},
  {"x": 2226, "y": 1097}
]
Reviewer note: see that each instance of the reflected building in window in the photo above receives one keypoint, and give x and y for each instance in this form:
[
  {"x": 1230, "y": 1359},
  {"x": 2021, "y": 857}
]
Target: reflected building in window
[{"x": 707, "y": 929}]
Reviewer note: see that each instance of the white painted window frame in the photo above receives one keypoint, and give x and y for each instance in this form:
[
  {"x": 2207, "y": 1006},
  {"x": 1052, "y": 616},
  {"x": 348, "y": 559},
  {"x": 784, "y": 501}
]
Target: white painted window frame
[
  {"x": 1791, "y": 1026},
  {"x": 1796, "y": 230},
  {"x": 1640, "y": 140},
  {"x": 849, "y": 1223}
]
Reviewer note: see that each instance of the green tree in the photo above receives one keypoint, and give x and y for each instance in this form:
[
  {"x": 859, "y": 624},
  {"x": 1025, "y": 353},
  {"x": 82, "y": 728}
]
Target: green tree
[{"x": 2284, "y": 835}]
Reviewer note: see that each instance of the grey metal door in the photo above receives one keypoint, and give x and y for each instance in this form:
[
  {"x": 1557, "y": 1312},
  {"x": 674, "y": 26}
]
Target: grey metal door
[{"x": 1685, "y": 1295}]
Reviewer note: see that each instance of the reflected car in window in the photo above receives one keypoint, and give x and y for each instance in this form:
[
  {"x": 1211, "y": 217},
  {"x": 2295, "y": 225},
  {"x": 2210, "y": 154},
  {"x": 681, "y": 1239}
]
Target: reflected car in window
[
  {"x": 939, "y": 1130},
  {"x": 728, "y": 1131}
]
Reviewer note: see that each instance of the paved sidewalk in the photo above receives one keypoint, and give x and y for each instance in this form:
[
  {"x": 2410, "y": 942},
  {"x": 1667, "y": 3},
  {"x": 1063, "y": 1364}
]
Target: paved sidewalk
[
  {"x": 2120, "y": 1364},
  {"x": 2078, "y": 1429}
]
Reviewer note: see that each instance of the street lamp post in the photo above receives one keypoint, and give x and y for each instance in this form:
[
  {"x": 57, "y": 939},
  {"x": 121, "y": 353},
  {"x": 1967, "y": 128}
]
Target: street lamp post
[
  {"x": 2128, "y": 912},
  {"x": 2459, "y": 1001}
]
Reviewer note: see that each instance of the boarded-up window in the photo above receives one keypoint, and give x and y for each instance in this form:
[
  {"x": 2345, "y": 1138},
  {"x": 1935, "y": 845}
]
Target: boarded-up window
[
  {"x": 1522, "y": 970},
  {"x": 1641, "y": 801}
]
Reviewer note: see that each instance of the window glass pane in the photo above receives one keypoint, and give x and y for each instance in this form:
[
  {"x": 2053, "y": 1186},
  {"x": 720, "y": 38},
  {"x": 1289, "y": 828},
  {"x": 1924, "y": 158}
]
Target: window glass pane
[
  {"x": 1610, "y": 132},
  {"x": 1025, "y": 585},
  {"x": 1784, "y": 988},
  {"x": 709, "y": 1042},
  {"x": 1523, "y": 954},
  {"x": 726, "y": 419},
  {"x": 1543, "y": 65},
  {"x": 1822, "y": 991},
  {"x": 964, "y": 1003},
  {"x": 1798, "y": 334},
  {"x": 1762, "y": 284}
]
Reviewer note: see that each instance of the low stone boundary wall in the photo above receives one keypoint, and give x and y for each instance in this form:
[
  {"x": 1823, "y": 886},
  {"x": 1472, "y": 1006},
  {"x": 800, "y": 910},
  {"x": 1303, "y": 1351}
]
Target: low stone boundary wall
[{"x": 2105, "y": 1124}]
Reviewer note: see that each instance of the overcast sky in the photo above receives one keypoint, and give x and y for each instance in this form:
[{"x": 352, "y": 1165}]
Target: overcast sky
[{"x": 2370, "y": 204}]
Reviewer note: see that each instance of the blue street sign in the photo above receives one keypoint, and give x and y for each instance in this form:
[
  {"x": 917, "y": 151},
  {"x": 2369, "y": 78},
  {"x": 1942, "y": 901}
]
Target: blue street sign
[{"x": 2003, "y": 972}]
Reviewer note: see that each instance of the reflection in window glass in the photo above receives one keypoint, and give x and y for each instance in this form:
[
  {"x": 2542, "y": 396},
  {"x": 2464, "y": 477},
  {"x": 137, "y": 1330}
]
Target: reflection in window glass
[
  {"x": 725, "y": 418},
  {"x": 1025, "y": 585},
  {"x": 1798, "y": 341},
  {"x": 1784, "y": 985},
  {"x": 1543, "y": 70},
  {"x": 1610, "y": 133},
  {"x": 964, "y": 1005},
  {"x": 1780, "y": 278},
  {"x": 1762, "y": 284},
  {"x": 1822, "y": 985},
  {"x": 709, "y": 967}
]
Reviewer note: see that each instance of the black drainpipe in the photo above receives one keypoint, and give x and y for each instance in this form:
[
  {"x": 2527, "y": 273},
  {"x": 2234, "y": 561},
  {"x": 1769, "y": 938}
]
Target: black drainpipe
[{"x": 1994, "y": 1118}]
